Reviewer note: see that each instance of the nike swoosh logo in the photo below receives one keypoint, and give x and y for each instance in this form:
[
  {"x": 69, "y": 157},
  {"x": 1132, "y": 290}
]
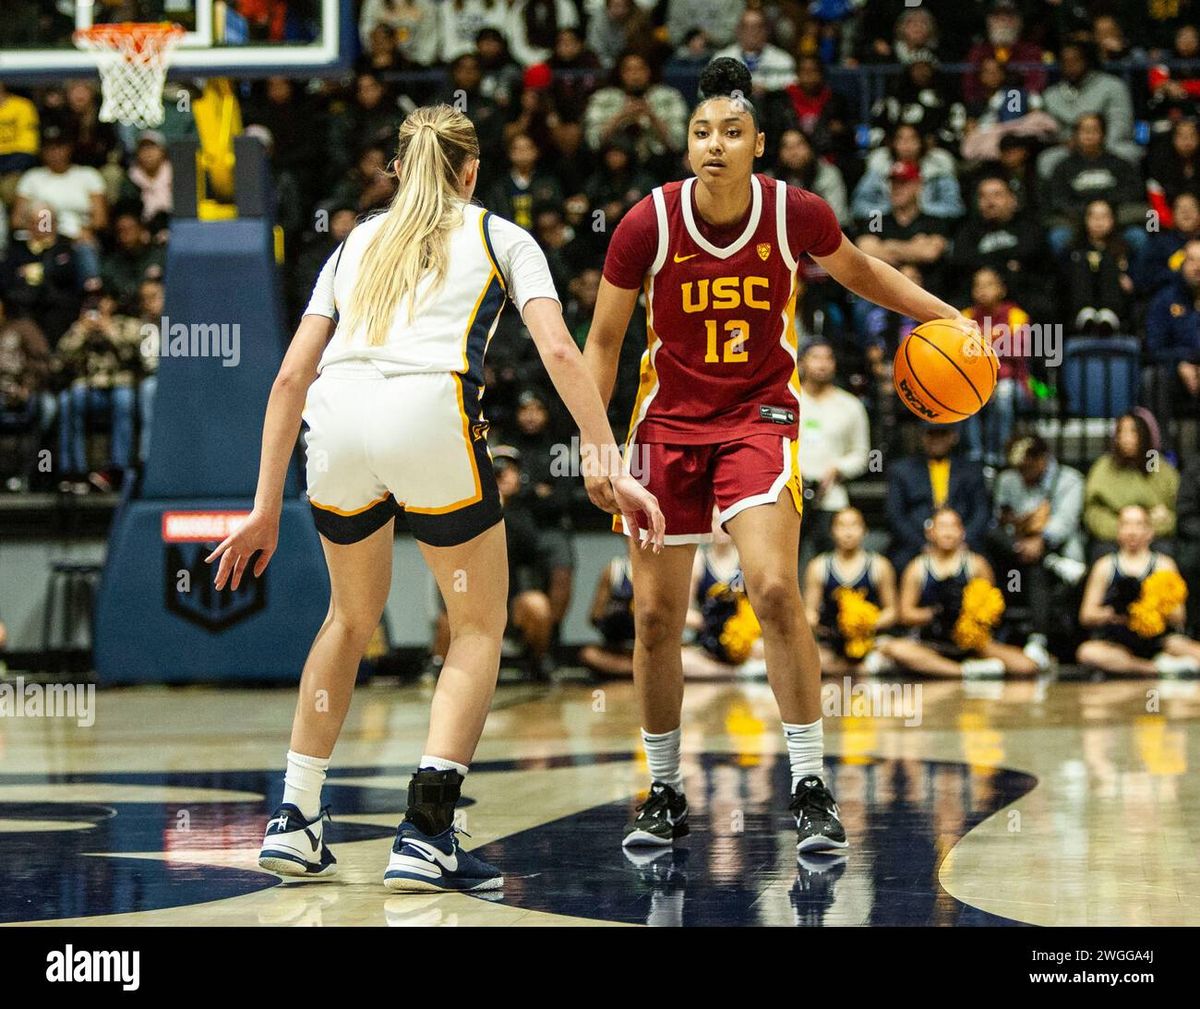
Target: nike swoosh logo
[
  {"x": 684, "y": 259},
  {"x": 435, "y": 854}
]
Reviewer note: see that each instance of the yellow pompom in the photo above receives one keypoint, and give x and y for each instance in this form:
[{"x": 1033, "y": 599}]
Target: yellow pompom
[
  {"x": 740, "y": 631},
  {"x": 1163, "y": 592},
  {"x": 982, "y": 608},
  {"x": 857, "y": 619}
]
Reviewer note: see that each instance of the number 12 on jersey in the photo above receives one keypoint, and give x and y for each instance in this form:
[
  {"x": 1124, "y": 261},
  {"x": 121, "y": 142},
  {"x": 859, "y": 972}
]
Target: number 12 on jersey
[{"x": 735, "y": 344}]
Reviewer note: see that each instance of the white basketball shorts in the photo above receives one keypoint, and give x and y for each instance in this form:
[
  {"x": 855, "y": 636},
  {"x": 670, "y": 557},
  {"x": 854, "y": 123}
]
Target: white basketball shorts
[{"x": 379, "y": 445}]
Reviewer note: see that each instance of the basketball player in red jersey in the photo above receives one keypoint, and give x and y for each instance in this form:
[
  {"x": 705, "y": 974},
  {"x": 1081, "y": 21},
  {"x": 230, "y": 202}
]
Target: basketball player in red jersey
[{"x": 716, "y": 421}]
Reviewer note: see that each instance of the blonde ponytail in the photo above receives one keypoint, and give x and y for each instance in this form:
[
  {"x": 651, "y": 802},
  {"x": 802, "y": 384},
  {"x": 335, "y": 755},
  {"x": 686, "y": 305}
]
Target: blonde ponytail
[{"x": 436, "y": 142}]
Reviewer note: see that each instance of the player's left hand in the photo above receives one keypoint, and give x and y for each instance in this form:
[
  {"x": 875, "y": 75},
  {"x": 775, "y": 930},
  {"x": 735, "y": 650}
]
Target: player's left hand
[
  {"x": 258, "y": 534},
  {"x": 637, "y": 503}
]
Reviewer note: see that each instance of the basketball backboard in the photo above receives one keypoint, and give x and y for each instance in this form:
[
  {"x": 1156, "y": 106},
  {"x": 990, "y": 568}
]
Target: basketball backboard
[{"x": 225, "y": 38}]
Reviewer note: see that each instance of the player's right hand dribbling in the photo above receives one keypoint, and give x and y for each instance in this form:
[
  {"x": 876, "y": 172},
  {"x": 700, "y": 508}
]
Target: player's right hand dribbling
[{"x": 637, "y": 505}]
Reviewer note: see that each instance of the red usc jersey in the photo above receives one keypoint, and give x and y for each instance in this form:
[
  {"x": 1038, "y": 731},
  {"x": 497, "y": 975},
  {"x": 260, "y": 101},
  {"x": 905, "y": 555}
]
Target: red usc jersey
[{"x": 720, "y": 361}]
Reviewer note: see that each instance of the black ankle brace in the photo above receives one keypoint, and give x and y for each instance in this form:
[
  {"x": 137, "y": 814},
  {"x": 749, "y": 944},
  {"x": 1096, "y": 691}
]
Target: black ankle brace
[{"x": 432, "y": 796}]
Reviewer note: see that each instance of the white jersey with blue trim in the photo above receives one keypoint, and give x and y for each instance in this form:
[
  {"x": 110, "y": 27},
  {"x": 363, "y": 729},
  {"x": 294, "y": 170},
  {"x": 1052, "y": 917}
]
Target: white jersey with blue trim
[{"x": 490, "y": 259}]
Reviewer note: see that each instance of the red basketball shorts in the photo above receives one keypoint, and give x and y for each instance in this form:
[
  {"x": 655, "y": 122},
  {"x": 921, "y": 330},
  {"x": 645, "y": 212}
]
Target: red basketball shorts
[{"x": 690, "y": 480}]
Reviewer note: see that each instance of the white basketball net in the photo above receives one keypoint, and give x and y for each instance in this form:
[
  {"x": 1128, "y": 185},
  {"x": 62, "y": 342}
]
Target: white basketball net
[{"x": 132, "y": 60}]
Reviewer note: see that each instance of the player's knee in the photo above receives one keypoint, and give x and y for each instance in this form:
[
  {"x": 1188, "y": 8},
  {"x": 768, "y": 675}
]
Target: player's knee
[
  {"x": 356, "y": 628},
  {"x": 656, "y": 627},
  {"x": 776, "y": 601},
  {"x": 1090, "y": 652}
]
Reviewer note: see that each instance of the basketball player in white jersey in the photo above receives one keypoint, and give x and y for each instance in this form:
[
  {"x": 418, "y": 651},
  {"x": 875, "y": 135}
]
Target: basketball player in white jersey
[{"x": 386, "y": 369}]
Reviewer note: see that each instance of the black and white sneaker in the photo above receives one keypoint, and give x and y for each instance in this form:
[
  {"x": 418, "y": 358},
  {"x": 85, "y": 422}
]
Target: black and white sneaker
[
  {"x": 294, "y": 846},
  {"x": 661, "y": 818},
  {"x": 817, "y": 825}
]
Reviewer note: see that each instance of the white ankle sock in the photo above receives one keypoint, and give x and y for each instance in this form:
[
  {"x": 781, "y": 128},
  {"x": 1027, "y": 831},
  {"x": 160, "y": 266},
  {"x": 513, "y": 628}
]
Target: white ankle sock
[
  {"x": 303, "y": 781},
  {"x": 806, "y": 749},
  {"x": 441, "y": 764},
  {"x": 662, "y": 754}
]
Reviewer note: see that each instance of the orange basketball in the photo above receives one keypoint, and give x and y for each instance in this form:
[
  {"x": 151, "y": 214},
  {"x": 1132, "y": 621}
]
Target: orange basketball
[{"x": 943, "y": 374}]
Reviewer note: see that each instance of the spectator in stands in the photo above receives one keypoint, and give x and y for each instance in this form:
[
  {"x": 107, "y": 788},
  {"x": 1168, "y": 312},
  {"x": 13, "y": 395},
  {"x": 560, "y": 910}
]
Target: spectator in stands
[
  {"x": 132, "y": 260},
  {"x": 515, "y": 194},
  {"x": 835, "y": 442},
  {"x": 371, "y": 117},
  {"x": 1111, "y": 44},
  {"x": 771, "y": 68},
  {"x": 1119, "y": 643},
  {"x": 413, "y": 22},
  {"x": 1084, "y": 91},
  {"x": 1003, "y": 238},
  {"x": 19, "y": 140},
  {"x": 717, "y": 18},
  {"x": 653, "y": 116},
  {"x": 1038, "y": 506},
  {"x": 848, "y": 567},
  {"x": 893, "y": 32},
  {"x": 618, "y": 26},
  {"x": 93, "y": 143},
  {"x": 150, "y": 182},
  {"x": 1174, "y": 97},
  {"x": 1175, "y": 167},
  {"x": 97, "y": 363},
  {"x": 919, "y": 97},
  {"x": 904, "y": 234},
  {"x": 1005, "y": 44},
  {"x": 940, "y": 196},
  {"x": 74, "y": 193},
  {"x": 798, "y": 165},
  {"x": 546, "y": 494},
  {"x": 618, "y": 181},
  {"x": 41, "y": 275},
  {"x": 369, "y": 186},
  {"x": 1172, "y": 350},
  {"x": 1158, "y": 264},
  {"x": 1006, "y": 326},
  {"x": 531, "y": 26},
  {"x": 461, "y": 21},
  {"x": 1097, "y": 274},
  {"x": 530, "y": 609},
  {"x": 24, "y": 384},
  {"x": 465, "y": 84},
  {"x": 379, "y": 54},
  {"x": 289, "y": 114},
  {"x": 577, "y": 73},
  {"x": 611, "y": 613},
  {"x": 930, "y": 604},
  {"x": 820, "y": 112},
  {"x": 916, "y": 32},
  {"x": 501, "y": 74},
  {"x": 1002, "y": 97},
  {"x": 1132, "y": 472},
  {"x": 920, "y": 485},
  {"x": 1091, "y": 172}
]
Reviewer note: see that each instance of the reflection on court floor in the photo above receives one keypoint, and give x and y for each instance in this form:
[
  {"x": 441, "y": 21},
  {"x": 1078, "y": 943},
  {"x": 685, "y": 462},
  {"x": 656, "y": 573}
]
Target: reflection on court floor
[{"x": 1005, "y": 807}]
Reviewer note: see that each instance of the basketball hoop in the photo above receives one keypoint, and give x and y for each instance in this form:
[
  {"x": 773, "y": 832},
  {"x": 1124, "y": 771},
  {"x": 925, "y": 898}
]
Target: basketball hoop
[{"x": 132, "y": 59}]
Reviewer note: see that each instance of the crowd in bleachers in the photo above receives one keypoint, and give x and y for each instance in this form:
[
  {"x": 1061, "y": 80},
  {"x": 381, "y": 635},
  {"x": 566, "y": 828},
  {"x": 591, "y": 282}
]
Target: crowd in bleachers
[{"x": 1035, "y": 162}]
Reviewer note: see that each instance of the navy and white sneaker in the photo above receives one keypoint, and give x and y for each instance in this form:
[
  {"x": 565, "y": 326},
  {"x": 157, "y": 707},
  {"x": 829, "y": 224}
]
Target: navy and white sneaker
[
  {"x": 818, "y": 827},
  {"x": 422, "y": 862},
  {"x": 661, "y": 818},
  {"x": 294, "y": 846}
]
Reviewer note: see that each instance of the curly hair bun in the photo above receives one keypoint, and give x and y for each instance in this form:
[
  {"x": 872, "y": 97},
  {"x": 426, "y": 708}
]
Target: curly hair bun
[{"x": 723, "y": 77}]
